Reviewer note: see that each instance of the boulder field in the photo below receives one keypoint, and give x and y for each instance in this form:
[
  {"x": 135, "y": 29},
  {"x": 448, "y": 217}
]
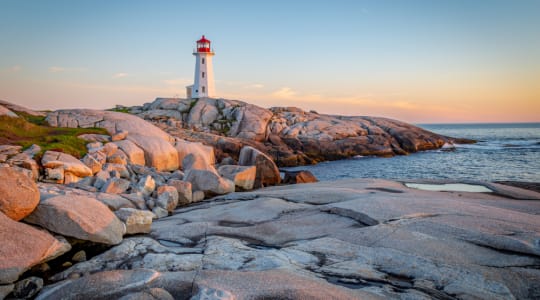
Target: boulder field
[{"x": 289, "y": 135}]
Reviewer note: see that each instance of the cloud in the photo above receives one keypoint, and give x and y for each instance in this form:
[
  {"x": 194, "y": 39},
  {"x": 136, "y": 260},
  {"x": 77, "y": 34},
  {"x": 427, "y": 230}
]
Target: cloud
[
  {"x": 16, "y": 68},
  {"x": 284, "y": 93},
  {"x": 120, "y": 75}
]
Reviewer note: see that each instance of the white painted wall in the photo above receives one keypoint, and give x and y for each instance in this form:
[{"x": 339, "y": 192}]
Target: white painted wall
[{"x": 203, "y": 86}]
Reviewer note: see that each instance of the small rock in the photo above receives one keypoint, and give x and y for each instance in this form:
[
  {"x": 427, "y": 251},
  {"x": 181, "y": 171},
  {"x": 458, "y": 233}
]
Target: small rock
[
  {"x": 28, "y": 287},
  {"x": 242, "y": 176},
  {"x": 136, "y": 199},
  {"x": 121, "y": 169},
  {"x": 146, "y": 185},
  {"x": 94, "y": 146},
  {"x": 198, "y": 196},
  {"x": 55, "y": 175},
  {"x": 115, "y": 186},
  {"x": 167, "y": 197},
  {"x": 209, "y": 182},
  {"x": 101, "y": 179},
  {"x": 110, "y": 149},
  {"x": 183, "y": 188},
  {"x": 303, "y": 176},
  {"x": 160, "y": 212},
  {"x": 90, "y": 161},
  {"x": 67, "y": 264},
  {"x": 79, "y": 256},
  {"x": 134, "y": 153},
  {"x": 119, "y": 135},
  {"x": 137, "y": 221}
]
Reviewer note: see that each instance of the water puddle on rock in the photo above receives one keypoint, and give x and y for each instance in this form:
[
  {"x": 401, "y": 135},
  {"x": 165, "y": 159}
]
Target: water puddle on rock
[{"x": 450, "y": 187}]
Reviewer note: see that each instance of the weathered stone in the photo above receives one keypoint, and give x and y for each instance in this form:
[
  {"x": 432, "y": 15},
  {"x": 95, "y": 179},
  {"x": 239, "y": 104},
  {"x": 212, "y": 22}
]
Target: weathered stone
[
  {"x": 160, "y": 212},
  {"x": 136, "y": 199},
  {"x": 197, "y": 196},
  {"x": 91, "y": 162},
  {"x": 118, "y": 158},
  {"x": 115, "y": 186},
  {"x": 146, "y": 185},
  {"x": 114, "y": 202},
  {"x": 19, "y": 194},
  {"x": 52, "y": 159},
  {"x": 32, "y": 150},
  {"x": 120, "y": 135},
  {"x": 80, "y": 217},
  {"x": 94, "y": 147},
  {"x": 133, "y": 152},
  {"x": 102, "y": 285},
  {"x": 303, "y": 176},
  {"x": 5, "y": 290},
  {"x": 110, "y": 149},
  {"x": 6, "y": 112},
  {"x": 121, "y": 169},
  {"x": 101, "y": 179},
  {"x": 242, "y": 176},
  {"x": 70, "y": 178},
  {"x": 137, "y": 221},
  {"x": 158, "y": 153},
  {"x": 167, "y": 197},
  {"x": 79, "y": 256},
  {"x": 55, "y": 175},
  {"x": 267, "y": 171},
  {"x": 25, "y": 161},
  {"x": 149, "y": 294},
  {"x": 209, "y": 182},
  {"x": 203, "y": 154},
  {"x": 28, "y": 287},
  {"x": 183, "y": 188},
  {"x": 24, "y": 246}
]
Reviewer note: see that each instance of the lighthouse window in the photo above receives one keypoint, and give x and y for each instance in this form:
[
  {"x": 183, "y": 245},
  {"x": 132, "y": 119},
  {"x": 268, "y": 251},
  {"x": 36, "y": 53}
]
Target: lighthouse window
[
  {"x": 202, "y": 74},
  {"x": 203, "y": 89},
  {"x": 203, "y": 61}
]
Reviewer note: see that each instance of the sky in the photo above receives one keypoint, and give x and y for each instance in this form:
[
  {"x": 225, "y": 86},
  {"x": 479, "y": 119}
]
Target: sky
[{"x": 417, "y": 61}]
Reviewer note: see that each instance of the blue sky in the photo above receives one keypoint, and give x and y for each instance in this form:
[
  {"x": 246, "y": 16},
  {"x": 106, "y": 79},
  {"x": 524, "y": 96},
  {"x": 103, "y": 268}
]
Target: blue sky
[{"x": 419, "y": 61}]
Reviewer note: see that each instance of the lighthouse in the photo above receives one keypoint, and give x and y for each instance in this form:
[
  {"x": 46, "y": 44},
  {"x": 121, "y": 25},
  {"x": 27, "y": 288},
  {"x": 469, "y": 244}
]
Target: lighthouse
[{"x": 203, "y": 84}]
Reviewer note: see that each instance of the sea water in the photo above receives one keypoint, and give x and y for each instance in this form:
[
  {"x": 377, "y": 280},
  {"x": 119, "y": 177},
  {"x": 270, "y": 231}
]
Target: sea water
[{"x": 503, "y": 152}]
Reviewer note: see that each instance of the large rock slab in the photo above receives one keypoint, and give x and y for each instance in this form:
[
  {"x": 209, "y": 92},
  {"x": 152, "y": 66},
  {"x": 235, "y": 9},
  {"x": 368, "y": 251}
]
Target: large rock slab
[
  {"x": 80, "y": 217},
  {"x": 19, "y": 194},
  {"x": 157, "y": 152},
  {"x": 24, "y": 246},
  {"x": 267, "y": 171}
]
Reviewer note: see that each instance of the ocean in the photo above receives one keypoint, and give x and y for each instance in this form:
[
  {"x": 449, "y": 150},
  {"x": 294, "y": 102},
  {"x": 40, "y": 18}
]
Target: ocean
[{"x": 504, "y": 152}]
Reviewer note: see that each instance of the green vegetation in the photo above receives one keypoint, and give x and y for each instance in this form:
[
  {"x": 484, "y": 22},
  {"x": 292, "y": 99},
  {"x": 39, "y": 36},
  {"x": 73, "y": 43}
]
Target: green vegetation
[
  {"x": 28, "y": 130},
  {"x": 120, "y": 109}
]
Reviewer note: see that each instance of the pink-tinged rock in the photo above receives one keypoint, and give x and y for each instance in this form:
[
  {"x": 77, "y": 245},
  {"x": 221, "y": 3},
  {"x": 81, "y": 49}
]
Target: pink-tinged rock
[
  {"x": 133, "y": 152},
  {"x": 158, "y": 153},
  {"x": 267, "y": 171},
  {"x": 54, "y": 160},
  {"x": 80, "y": 217},
  {"x": 24, "y": 246},
  {"x": 183, "y": 188},
  {"x": 19, "y": 194},
  {"x": 137, "y": 221},
  {"x": 203, "y": 154}
]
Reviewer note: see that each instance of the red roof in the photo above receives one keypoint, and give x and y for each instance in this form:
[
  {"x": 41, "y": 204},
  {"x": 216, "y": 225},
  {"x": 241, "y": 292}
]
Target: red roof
[{"x": 203, "y": 40}]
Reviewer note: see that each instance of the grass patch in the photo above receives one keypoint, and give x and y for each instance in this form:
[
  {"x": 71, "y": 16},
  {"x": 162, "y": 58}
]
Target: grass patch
[
  {"x": 120, "y": 109},
  {"x": 25, "y": 132}
]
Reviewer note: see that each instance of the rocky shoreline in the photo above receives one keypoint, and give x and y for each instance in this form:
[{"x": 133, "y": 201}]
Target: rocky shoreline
[{"x": 150, "y": 212}]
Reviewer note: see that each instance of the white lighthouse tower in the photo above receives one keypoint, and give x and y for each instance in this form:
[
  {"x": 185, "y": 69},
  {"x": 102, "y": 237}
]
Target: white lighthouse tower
[{"x": 203, "y": 85}]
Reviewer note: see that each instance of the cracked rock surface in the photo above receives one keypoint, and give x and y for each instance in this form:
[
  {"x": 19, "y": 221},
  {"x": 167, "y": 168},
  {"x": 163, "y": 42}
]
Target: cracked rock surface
[{"x": 351, "y": 239}]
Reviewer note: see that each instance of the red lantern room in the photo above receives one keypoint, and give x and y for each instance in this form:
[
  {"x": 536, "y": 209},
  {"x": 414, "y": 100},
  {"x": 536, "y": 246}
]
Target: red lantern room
[{"x": 203, "y": 45}]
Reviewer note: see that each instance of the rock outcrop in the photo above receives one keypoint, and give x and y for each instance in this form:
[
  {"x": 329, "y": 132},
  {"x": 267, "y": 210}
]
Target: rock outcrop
[
  {"x": 329, "y": 240},
  {"x": 267, "y": 172},
  {"x": 291, "y": 136}
]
